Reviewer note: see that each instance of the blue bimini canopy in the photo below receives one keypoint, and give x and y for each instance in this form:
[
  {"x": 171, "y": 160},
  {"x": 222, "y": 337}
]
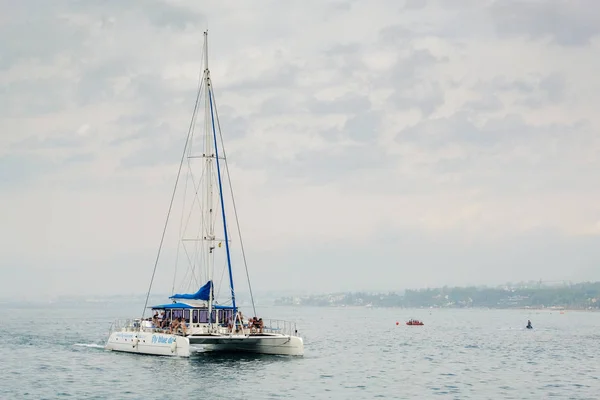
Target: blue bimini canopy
[
  {"x": 220, "y": 307},
  {"x": 202, "y": 294},
  {"x": 171, "y": 306}
]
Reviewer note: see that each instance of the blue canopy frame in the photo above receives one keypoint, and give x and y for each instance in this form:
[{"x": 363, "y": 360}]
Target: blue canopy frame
[{"x": 171, "y": 306}]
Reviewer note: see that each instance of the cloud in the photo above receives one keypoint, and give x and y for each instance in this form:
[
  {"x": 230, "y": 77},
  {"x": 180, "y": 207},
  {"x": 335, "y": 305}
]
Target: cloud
[
  {"x": 554, "y": 87},
  {"x": 533, "y": 91},
  {"x": 414, "y": 4},
  {"x": 487, "y": 102},
  {"x": 340, "y": 105},
  {"x": 568, "y": 23},
  {"x": 421, "y": 138}
]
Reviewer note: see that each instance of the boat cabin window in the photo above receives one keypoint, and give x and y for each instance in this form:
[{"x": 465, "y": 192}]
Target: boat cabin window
[
  {"x": 224, "y": 316},
  {"x": 176, "y": 313},
  {"x": 203, "y": 316}
]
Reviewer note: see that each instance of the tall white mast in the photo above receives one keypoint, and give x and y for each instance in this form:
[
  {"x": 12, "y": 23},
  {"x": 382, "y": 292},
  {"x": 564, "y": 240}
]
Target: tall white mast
[{"x": 208, "y": 155}]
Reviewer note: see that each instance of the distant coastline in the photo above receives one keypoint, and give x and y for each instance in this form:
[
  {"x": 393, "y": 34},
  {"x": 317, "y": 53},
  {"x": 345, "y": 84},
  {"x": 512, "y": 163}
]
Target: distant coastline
[{"x": 532, "y": 295}]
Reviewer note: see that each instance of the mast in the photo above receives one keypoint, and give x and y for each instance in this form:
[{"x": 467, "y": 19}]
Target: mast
[
  {"x": 208, "y": 155},
  {"x": 216, "y": 156}
]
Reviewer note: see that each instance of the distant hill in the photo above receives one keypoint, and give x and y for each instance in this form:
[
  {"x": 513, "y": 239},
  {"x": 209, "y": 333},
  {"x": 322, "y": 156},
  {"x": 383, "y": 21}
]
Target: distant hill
[{"x": 572, "y": 296}]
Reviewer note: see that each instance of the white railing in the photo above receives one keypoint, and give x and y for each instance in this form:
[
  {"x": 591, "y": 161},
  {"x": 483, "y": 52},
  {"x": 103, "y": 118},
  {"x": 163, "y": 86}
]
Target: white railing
[
  {"x": 278, "y": 326},
  {"x": 132, "y": 325},
  {"x": 275, "y": 326},
  {"x": 126, "y": 325}
]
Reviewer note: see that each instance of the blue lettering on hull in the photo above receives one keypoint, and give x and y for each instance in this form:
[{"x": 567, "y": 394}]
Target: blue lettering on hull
[{"x": 160, "y": 339}]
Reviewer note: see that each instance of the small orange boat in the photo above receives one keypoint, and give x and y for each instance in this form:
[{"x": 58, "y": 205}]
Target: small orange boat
[{"x": 414, "y": 322}]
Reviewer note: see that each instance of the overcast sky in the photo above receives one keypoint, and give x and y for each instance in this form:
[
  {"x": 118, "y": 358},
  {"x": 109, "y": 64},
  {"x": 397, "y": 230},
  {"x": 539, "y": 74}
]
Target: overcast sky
[{"x": 373, "y": 144}]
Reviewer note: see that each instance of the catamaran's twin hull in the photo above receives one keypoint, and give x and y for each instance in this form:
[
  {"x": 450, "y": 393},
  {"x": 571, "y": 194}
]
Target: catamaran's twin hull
[
  {"x": 263, "y": 344},
  {"x": 173, "y": 345}
]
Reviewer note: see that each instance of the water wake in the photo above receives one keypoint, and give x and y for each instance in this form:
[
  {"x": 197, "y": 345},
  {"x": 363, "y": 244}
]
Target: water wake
[{"x": 89, "y": 345}]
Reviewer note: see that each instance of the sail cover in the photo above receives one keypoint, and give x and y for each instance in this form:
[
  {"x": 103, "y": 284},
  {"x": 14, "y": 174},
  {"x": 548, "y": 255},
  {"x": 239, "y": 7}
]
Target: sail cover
[{"x": 202, "y": 294}]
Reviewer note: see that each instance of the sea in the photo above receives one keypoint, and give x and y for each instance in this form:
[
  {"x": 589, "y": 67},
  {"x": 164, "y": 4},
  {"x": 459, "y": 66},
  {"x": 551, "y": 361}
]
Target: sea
[{"x": 55, "y": 352}]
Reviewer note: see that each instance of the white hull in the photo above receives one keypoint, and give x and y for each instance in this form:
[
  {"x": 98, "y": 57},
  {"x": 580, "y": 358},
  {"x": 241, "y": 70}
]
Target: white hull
[
  {"x": 161, "y": 344},
  {"x": 259, "y": 344},
  {"x": 158, "y": 344}
]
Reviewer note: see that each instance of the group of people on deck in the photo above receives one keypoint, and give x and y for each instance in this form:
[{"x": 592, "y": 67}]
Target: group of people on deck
[
  {"x": 254, "y": 325},
  {"x": 177, "y": 324}
]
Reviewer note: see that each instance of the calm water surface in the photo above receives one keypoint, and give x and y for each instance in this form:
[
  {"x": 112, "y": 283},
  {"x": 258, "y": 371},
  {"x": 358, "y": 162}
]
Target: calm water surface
[{"x": 351, "y": 353}]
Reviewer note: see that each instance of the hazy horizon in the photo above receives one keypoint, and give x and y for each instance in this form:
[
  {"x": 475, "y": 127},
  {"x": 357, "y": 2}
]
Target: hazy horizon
[
  {"x": 260, "y": 297},
  {"x": 373, "y": 146}
]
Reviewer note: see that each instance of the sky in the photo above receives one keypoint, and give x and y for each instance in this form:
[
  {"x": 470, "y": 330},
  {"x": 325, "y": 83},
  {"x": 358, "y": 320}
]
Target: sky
[{"x": 376, "y": 145}]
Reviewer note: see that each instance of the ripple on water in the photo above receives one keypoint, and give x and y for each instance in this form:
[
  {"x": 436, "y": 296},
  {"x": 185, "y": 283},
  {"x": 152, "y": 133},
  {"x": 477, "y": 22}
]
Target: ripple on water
[{"x": 466, "y": 354}]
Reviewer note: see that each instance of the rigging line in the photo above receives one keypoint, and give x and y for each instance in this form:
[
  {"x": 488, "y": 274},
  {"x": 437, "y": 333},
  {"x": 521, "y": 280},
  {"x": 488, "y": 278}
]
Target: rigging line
[
  {"x": 222, "y": 275},
  {"x": 196, "y": 198},
  {"x": 162, "y": 238},
  {"x": 233, "y": 201},
  {"x": 196, "y": 261},
  {"x": 181, "y": 220},
  {"x": 187, "y": 221},
  {"x": 202, "y": 231},
  {"x": 188, "y": 175},
  {"x": 183, "y": 287},
  {"x": 190, "y": 266},
  {"x": 208, "y": 88},
  {"x": 196, "y": 188},
  {"x": 189, "y": 164},
  {"x": 200, "y": 227}
]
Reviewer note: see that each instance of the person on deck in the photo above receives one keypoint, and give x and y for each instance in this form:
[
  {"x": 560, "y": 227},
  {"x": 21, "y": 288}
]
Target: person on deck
[
  {"x": 183, "y": 326},
  {"x": 179, "y": 323},
  {"x": 240, "y": 320},
  {"x": 174, "y": 326}
]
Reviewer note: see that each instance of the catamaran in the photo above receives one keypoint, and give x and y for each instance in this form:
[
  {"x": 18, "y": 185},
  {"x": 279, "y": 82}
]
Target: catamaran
[{"x": 199, "y": 321}]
